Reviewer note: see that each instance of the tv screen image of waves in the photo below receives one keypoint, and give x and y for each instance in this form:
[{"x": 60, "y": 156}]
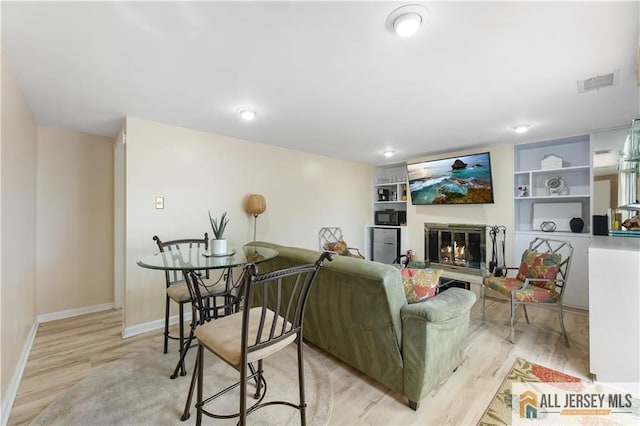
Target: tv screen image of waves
[{"x": 464, "y": 179}]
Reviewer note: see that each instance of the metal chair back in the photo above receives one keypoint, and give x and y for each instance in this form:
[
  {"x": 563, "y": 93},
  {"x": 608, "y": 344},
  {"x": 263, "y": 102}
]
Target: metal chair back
[{"x": 565, "y": 250}]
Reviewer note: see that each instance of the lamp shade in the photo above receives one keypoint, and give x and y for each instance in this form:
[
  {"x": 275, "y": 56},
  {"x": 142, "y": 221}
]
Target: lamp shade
[{"x": 256, "y": 204}]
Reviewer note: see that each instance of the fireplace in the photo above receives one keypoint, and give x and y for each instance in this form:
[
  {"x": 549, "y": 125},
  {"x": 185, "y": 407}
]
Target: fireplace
[{"x": 461, "y": 248}]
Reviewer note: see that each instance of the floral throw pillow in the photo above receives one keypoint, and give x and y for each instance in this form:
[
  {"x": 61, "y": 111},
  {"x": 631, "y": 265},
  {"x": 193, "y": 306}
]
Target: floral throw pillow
[
  {"x": 419, "y": 284},
  {"x": 339, "y": 247},
  {"x": 539, "y": 265}
]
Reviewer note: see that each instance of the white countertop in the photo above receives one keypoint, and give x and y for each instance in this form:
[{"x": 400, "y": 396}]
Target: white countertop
[{"x": 615, "y": 243}]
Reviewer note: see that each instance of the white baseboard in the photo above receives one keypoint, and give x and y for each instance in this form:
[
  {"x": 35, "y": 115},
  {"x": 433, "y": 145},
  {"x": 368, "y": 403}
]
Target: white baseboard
[
  {"x": 152, "y": 325},
  {"x": 74, "y": 312},
  {"x": 12, "y": 390}
]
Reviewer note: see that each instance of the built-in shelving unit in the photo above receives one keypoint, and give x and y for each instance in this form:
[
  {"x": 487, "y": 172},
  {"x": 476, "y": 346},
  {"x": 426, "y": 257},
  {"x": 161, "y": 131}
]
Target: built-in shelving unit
[
  {"x": 392, "y": 181},
  {"x": 390, "y": 192},
  {"x": 540, "y": 204},
  {"x": 573, "y": 200}
]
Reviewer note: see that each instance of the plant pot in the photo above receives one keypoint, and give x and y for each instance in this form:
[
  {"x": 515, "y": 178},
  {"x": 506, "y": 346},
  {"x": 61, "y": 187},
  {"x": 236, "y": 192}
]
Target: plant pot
[
  {"x": 219, "y": 246},
  {"x": 576, "y": 224}
]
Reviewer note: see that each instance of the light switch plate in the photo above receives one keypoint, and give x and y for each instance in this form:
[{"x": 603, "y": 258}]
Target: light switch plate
[{"x": 159, "y": 202}]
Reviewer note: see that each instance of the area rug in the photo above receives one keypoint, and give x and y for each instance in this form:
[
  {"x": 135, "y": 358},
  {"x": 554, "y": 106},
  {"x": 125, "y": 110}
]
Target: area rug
[
  {"x": 499, "y": 410},
  {"x": 137, "y": 390}
]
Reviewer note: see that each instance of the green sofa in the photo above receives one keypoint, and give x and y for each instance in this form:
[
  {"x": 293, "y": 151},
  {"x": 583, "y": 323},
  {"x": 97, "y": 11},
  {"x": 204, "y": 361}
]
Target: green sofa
[{"x": 357, "y": 311}]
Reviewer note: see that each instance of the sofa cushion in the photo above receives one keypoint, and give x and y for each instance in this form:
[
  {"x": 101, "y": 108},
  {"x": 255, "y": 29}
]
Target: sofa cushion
[{"x": 419, "y": 284}]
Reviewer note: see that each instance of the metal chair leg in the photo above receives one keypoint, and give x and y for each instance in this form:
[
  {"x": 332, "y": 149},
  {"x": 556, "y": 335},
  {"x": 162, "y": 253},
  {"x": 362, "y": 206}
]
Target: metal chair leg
[
  {"x": 258, "y": 379},
  {"x": 243, "y": 395},
  {"x": 187, "y": 407},
  {"x": 303, "y": 404},
  {"x": 512, "y": 320},
  {"x": 525, "y": 313},
  {"x": 183, "y": 370},
  {"x": 166, "y": 324},
  {"x": 200, "y": 362},
  {"x": 564, "y": 331},
  {"x": 483, "y": 305},
  {"x": 183, "y": 353}
]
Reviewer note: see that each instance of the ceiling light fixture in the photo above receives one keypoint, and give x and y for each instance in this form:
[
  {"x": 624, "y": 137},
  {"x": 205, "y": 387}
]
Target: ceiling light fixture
[
  {"x": 521, "y": 128},
  {"x": 247, "y": 114},
  {"x": 389, "y": 153},
  {"x": 407, "y": 25},
  {"x": 405, "y": 21}
]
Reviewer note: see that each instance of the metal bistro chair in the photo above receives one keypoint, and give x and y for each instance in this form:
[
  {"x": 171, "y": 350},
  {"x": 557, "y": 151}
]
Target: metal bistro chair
[
  {"x": 270, "y": 319},
  {"x": 178, "y": 291},
  {"x": 330, "y": 239},
  {"x": 541, "y": 280}
]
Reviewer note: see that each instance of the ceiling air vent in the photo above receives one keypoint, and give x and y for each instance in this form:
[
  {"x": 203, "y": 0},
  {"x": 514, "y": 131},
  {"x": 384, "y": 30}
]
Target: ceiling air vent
[{"x": 598, "y": 82}]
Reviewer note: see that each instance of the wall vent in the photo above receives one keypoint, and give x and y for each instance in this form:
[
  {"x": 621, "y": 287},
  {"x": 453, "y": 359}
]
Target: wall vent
[
  {"x": 598, "y": 82},
  {"x": 604, "y": 158}
]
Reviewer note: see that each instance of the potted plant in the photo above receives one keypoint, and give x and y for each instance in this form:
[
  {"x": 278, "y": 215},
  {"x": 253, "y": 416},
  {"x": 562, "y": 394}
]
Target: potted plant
[{"x": 218, "y": 226}]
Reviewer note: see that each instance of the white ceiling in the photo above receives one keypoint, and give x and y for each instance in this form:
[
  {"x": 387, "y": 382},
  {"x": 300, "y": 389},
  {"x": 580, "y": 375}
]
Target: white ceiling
[{"x": 327, "y": 77}]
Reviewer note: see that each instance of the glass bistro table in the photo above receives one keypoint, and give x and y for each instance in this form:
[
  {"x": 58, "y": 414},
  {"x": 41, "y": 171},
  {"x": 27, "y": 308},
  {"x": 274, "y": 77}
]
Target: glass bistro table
[{"x": 187, "y": 258}]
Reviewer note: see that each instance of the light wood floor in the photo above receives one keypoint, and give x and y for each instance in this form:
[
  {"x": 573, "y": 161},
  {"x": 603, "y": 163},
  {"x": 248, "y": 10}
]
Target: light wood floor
[{"x": 65, "y": 351}]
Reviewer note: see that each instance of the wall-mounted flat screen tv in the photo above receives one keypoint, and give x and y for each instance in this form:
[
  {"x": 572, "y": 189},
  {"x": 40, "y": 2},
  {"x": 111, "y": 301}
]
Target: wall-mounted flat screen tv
[{"x": 465, "y": 179}]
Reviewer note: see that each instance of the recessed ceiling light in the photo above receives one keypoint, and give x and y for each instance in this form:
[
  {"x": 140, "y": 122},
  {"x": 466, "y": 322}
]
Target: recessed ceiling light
[
  {"x": 406, "y": 20},
  {"x": 407, "y": 25},
  {"x": 521, "y": 128},
  {"x": 247, "y": 114},
  {"x": 389, "y": 153}
]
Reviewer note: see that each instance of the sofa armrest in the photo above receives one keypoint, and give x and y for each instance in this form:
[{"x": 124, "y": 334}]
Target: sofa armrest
[
  {"x": 434, "y": 334},
  {"x": 445, "y": 306}
]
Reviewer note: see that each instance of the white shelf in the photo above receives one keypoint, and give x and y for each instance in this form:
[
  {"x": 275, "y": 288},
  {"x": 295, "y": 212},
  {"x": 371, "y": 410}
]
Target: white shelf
[
  {"x": 390, "y": 202},
  {"x": 552, "y": 235},
  {"x": 553, "y": 171},
  {"x": 392, "y": 185},
  {"x": 553, "y": 197}
]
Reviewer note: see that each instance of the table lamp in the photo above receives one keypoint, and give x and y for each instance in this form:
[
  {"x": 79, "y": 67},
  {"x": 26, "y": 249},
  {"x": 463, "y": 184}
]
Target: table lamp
[{"x": 256, "y": 205}]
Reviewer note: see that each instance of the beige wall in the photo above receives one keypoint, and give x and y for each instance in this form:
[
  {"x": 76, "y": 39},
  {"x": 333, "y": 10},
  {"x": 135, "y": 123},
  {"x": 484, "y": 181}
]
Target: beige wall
[
  {"x": 197, "y": 171},
  {"x": 498, "y": 213},
  {"x": 18, "y": 261},
  {"x": 74, "y": 220}
]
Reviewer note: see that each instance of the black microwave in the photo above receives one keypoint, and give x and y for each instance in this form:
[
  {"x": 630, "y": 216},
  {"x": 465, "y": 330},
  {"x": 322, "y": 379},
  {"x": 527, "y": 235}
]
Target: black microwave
[{"x": 390, "y": 217}]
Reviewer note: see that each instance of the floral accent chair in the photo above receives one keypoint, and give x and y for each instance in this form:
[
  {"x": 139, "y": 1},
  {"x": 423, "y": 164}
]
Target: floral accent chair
[
  {"x": 330, "y": 239},
  {"x": 541, "y": 280}
]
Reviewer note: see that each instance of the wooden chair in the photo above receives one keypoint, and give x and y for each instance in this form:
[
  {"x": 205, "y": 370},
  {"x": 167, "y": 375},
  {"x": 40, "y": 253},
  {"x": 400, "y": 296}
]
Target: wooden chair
[
  {"x": 541, "y": 280},
  {"x": 271, "y": 318},
  {"x": 330, "y": 239}
]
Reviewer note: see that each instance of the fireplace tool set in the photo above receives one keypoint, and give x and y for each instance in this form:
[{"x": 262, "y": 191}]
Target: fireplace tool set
[{"x": 497, "y": 233}]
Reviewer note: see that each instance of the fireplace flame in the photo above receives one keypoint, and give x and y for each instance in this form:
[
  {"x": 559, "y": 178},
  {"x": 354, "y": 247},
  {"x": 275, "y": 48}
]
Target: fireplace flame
[{"x": 459, "y": 255}]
